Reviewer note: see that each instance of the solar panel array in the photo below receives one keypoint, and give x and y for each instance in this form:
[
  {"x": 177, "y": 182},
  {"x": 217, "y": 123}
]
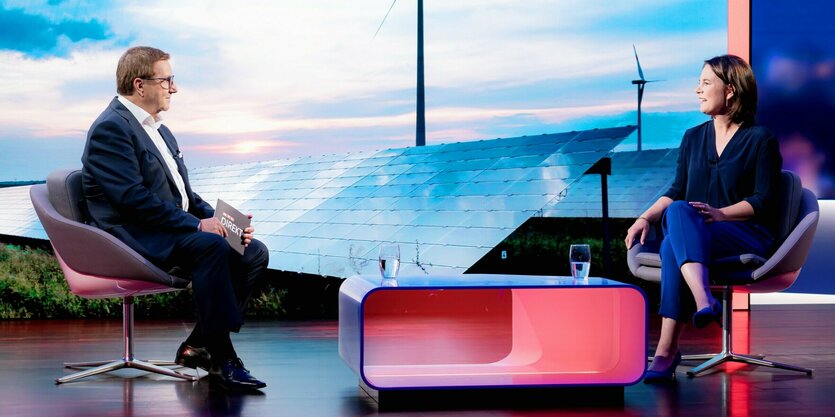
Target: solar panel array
[
  {"x": 445, "y": 205},
  {"x": 638, "y": 179},
  {"x": 17, "y": 217}
]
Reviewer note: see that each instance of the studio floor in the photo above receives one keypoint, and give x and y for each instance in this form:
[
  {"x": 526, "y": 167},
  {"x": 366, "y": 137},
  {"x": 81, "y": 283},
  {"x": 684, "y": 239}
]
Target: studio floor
[{"x": 299, "y": 361}]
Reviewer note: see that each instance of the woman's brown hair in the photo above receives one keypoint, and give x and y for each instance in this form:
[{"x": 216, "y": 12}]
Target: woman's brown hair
[{"x": 736, "y": 73}]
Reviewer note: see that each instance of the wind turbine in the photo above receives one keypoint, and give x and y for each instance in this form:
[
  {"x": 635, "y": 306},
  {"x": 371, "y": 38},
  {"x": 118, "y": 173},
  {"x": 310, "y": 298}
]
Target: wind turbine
[
  {"x": 640, "y": 83},
  {"x": 420, "y": 121}
]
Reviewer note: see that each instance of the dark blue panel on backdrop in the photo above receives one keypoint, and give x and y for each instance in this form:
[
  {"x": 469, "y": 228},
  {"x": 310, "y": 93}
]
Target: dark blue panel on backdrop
[{"x": 793, "y": 55}]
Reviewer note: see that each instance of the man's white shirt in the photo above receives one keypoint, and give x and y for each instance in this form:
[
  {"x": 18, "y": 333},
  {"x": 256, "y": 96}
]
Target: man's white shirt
[{"x": 151, "y": 126}]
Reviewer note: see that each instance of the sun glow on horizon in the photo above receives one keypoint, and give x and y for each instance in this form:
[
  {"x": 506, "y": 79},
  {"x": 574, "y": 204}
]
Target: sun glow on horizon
[{"x": 245, "y": 147}]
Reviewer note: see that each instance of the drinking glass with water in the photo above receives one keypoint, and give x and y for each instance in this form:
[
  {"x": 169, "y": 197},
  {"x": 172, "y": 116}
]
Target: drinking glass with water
[
  {"x": 389, "y": 264},
  {"x": 580, "y": 259}
]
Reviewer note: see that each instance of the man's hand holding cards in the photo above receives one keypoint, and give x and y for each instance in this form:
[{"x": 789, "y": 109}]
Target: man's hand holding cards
[{"x": 234, "y": 225}]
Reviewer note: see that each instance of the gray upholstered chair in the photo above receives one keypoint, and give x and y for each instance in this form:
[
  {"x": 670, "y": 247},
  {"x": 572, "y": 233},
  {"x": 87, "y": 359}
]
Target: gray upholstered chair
[
  {"x": 97, "y": 265},
  {"x": 748, "y": 273}
]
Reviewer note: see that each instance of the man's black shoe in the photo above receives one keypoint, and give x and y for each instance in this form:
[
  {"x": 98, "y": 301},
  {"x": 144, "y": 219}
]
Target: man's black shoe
[
  {"x": 232, "y": 376},
  {"x": 193, "y": 357}
]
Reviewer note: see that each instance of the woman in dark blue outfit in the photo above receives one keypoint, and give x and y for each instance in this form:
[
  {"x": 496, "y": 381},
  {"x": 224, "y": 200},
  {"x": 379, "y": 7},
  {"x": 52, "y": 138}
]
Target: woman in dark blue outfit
[{"x": 720, "y": 203}]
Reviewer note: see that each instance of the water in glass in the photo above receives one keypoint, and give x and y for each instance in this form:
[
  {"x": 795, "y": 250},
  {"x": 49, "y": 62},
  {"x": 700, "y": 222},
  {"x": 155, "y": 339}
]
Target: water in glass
[
  {"x": 389, "y": 267},
  {"x": 580, "y": 260},
  {"x": 580, "y": 270},
  {"x": 389, "y": 264}
]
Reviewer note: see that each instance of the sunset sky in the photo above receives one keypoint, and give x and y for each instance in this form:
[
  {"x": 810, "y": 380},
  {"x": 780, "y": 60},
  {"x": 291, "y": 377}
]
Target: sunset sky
[{"x": 265, "y": 80}]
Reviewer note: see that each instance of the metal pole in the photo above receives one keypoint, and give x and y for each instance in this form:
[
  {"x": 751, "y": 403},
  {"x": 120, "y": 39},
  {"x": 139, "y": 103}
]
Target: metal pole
[
  {"x": 640, "y": 98},
  {"x": 604, "y": 168},
  {"x": 607, "y": 251},
  {"x": 127, "y": 325},
  {"x": 420, "y": 130}
]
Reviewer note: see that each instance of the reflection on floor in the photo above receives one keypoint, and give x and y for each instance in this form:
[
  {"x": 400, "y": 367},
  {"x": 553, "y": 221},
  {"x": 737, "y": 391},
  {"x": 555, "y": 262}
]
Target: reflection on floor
[{"x": 306, "y": 377}]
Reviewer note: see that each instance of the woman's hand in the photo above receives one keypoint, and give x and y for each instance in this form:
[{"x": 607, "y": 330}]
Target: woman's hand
[
  {"x": 639, "y": 228},
  {"x": 711, "y": 214}
]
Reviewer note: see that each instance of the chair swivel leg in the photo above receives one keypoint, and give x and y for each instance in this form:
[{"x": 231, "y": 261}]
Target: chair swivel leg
[
  {"x": 727, "y": 354},
  {"x": 128, "y": 360}
]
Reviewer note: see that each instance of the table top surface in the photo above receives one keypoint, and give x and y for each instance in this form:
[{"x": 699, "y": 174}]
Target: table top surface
[{"x": 487, "y": 280}]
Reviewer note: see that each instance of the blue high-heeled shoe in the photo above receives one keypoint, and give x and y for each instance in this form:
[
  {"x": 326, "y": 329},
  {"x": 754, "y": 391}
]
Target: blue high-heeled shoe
[
  {"x": 707, "y": 315},
  {"x": 664, "y": 375}
]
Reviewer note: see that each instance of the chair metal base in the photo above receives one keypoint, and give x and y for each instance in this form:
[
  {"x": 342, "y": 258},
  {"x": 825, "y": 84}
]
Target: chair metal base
[
  {"x": 128, "y": 360},
  {"x": 82, "y": 365},
  {"x": 749, "y": 359},
  {"x": 703, "y": 357},
  {"x": 727, "y": 354},
  {"x": 103, "y": 367}
]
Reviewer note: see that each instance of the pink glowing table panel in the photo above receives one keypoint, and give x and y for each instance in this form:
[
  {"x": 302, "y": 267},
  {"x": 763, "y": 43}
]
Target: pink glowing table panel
[{"x": 492, "y": 331}]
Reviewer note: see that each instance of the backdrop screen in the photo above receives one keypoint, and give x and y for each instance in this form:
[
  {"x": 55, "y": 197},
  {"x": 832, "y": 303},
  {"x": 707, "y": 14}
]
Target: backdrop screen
[{"x": 793, "y": 56}]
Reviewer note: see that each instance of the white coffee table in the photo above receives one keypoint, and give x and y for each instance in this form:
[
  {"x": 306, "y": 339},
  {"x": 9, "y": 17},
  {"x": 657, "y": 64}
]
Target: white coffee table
[{"x": 485, "y": 331}]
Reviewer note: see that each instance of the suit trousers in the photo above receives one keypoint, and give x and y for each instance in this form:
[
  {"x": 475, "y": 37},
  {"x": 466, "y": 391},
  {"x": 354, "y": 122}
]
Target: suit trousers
[
  {"x": 222, "y": 280},
  {"x": 688, "y": 238}
]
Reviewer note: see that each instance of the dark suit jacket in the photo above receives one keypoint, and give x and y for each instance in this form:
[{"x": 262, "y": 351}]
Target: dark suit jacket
[{"x": 128, "y": 189}]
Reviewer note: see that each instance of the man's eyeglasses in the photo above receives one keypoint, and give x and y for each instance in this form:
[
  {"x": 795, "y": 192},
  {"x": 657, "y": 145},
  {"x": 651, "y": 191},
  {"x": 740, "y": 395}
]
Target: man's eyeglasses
[{"x": 165, "y": 83}]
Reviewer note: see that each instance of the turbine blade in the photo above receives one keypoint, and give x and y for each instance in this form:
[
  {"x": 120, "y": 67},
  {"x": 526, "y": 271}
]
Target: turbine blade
[
  {"x": 384, "y": 20},
  {"x": 640, "y": 71}
]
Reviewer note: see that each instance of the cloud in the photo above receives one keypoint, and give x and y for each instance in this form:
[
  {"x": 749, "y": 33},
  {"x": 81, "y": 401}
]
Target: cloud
[
  {"x": 271, "y": 50},
  {"x": 38, "y": 37},
  {"x": 270, "y": 63},
  {"x": 41, "y": 96},
  {"x": 309, "y": 74}
]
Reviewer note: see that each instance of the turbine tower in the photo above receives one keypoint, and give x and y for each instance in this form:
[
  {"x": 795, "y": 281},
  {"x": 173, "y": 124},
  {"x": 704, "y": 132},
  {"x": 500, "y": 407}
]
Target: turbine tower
[
  {"x": 420, "y": 119},
  {"x": 640, "y": 83}
]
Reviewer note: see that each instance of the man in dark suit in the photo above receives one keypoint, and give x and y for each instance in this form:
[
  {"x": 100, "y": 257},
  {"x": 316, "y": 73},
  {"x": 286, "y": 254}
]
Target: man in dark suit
[{"x": 136, "y": 188}]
